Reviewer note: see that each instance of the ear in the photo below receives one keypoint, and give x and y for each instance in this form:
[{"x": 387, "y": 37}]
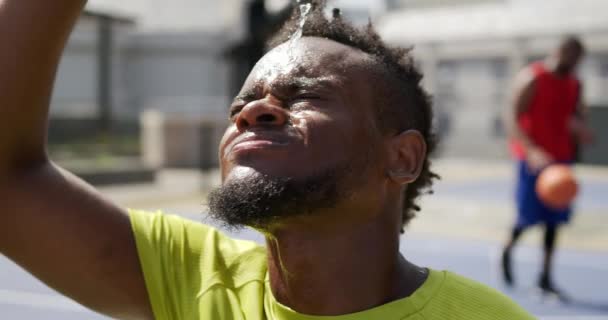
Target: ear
[{"x": 407, "y": 152}]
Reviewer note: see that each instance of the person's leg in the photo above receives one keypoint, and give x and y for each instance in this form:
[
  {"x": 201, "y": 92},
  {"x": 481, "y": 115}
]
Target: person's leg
[
  {"x": 553, "y": 219},
  {"x": 549, "y": 249},
  {"x": 545, "y": 282},
  {"x": 507, "y": 271},
  {"x": 527, "y": 215}
]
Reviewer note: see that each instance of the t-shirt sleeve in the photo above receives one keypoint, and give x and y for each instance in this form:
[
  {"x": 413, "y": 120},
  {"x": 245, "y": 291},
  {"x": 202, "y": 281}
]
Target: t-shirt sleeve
[{"x": 176, "y": 256}]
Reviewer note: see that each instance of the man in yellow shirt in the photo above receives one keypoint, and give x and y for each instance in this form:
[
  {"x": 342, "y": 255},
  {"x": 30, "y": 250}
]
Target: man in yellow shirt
[{"x": 325, "y": 154}]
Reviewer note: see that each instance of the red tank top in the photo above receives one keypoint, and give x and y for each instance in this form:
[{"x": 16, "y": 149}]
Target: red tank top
[{"x": 546, "y": 119}]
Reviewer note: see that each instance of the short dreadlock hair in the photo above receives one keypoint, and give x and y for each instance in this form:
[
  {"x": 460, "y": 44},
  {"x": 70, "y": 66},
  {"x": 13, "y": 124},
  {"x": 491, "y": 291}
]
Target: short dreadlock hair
[{"x": 405, "y": 104}]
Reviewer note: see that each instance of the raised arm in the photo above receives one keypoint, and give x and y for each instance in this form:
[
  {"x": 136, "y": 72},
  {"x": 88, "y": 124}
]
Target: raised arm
[{"x": 51, "y": 223}]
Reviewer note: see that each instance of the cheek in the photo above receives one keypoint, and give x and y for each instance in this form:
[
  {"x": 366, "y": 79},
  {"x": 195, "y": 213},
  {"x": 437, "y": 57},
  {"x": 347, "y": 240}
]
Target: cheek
[
  {"x": 327, "y": 138},
  {"x": 309, "y": 125}
]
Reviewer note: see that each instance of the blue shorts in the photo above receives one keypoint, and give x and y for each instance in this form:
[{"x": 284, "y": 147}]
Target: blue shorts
[{"x": 530, "y": 209}]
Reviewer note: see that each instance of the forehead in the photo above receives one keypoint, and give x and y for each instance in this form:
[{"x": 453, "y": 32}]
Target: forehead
[{"x": 310, "y": 57}]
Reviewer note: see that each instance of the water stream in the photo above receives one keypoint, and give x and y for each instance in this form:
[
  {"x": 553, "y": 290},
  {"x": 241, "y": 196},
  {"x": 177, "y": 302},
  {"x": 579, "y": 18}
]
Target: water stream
[{"x": 304, "y": 11}]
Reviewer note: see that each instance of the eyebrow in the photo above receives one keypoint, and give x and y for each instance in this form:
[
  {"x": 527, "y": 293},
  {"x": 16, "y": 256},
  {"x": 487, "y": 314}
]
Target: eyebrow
[
  {"x": 295, "y": 83},
  {"x": 290, "y": 84}
]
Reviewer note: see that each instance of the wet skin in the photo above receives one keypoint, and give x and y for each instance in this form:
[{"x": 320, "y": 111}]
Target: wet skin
[
  {"x": 306, "y": 108},
  {"x": 300, "y": 113}
]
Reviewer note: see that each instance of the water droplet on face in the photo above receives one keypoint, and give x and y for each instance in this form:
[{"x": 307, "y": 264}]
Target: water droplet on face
[{"x": 287, "y": 60}]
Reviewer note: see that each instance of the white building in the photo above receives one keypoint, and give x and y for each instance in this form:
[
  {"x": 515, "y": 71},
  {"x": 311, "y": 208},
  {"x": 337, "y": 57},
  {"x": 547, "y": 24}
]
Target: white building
[
  {"x": 470, "y": 53},
  {"x": 173, "y": 62},
  {"x": 167, "y": 58},
  {"x": 79, "y": 79}
]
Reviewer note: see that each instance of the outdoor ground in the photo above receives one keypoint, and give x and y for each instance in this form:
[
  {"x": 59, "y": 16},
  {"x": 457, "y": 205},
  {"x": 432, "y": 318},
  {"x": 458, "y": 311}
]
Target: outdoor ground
[{"x": 460, "y": 229}]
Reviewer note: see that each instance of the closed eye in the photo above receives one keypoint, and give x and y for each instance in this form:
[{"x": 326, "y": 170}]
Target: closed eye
[{"x": 306, "y": 96}]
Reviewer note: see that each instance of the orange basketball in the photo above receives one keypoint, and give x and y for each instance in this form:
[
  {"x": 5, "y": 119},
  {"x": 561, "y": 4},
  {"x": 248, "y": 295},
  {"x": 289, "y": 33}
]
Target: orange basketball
[{"x": 556, "y": 186}]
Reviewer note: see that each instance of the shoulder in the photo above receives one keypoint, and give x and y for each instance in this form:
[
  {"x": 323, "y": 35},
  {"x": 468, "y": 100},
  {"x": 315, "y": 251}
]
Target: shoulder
[
  {"x": 538, "y": 67},
  {"x": 463, "y": 298},
  {"x": 528, "y": 76},
  {"x": 183, "y": 259},
  {"x": 184, "y": 242},
  {"x": 177, "y": 229}
]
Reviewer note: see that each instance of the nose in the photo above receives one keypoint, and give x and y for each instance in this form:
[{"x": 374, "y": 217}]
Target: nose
[{"x": 261, "y": 113}]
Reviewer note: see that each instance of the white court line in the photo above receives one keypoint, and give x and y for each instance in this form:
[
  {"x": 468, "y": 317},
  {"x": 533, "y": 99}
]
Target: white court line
[{"x": 39, "y": 300}]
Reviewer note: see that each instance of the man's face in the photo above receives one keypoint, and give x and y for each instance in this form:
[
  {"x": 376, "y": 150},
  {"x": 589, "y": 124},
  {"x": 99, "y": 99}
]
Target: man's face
[
  {"x": 304, "y": 120},
  {"x": 568, "y": 58}
]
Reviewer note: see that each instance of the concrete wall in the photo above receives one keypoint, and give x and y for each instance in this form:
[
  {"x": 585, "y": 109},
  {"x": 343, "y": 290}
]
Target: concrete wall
[
  {"x": 470, "y": 95},
  {"x": 178, "y": 73},
  {"x": 172, "y": 71},
  {"x": 75, "y": 93},
  {"x": 177, "y": 140},
  {"x": 179, "y": 84}
]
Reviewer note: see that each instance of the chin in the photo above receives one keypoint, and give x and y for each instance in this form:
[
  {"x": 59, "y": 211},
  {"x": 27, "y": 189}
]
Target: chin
[{"x": 251, "y": 197}]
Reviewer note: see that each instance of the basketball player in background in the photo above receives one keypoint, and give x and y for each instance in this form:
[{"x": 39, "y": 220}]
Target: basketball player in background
[{"x": 546, "y": 120}]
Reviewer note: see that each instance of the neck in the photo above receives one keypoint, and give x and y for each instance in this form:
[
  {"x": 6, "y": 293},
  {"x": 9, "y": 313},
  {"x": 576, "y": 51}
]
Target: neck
[{"x": 339, "y": 270}]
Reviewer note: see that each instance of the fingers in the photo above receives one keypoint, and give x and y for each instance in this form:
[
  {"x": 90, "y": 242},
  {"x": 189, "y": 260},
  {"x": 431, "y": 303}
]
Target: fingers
[{"x": 538, "y": 159}]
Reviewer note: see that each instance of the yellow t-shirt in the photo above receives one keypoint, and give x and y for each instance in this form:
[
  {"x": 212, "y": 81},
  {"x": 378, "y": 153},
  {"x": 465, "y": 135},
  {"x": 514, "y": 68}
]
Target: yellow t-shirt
[{"x": 194, "y": 272}]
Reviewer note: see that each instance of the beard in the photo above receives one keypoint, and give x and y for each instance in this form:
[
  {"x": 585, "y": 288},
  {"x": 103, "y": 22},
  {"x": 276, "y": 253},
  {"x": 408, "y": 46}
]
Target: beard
[{"x": 258, "y": 200}]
